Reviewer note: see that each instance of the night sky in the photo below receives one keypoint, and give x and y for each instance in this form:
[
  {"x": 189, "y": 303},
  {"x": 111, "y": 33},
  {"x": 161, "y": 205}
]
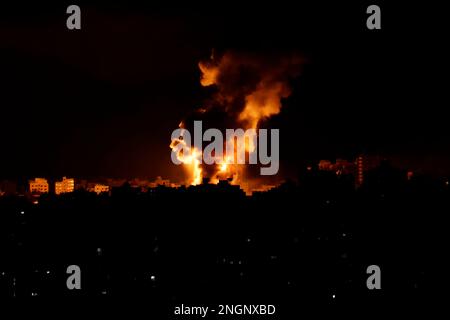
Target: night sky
[{"x": 103, "y": 101}]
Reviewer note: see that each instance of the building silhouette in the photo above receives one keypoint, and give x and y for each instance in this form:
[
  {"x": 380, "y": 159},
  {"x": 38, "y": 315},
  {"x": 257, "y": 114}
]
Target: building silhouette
[
  {"x": 64, "y": 186},
  {"x": 101, "y": 188},
  {"x": 38, "y": 185}
]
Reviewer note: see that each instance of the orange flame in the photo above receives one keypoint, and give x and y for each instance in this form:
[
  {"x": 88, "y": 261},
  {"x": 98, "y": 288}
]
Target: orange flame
[{"x": 191, "y": 160}]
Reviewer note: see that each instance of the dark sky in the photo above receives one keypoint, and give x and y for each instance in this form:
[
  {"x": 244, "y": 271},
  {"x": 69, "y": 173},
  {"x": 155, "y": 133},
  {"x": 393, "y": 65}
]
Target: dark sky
[{"x": 104, "y": 100}]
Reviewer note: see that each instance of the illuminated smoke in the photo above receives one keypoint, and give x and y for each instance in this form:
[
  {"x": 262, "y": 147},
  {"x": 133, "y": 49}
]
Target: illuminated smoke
[{"x": 247, "y": 90}]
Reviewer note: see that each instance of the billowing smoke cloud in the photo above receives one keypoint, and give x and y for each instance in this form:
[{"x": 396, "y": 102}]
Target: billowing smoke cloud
[
  {"x": 249, "y": 86},
  {"x": 246, "y": 90}
]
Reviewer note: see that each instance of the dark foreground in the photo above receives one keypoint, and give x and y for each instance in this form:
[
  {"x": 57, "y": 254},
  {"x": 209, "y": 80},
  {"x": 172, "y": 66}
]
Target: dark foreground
[{"x": 298, "y": 247}]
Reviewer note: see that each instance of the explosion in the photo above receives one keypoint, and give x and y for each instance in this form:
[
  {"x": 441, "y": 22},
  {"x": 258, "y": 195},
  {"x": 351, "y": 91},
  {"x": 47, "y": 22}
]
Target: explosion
[
  {"x": 191, "y": 160},
  {"x": 248, "y": 90}
]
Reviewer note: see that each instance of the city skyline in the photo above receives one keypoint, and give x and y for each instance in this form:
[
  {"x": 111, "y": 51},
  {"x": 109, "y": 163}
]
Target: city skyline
[{"x": 357, "y": 169}]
